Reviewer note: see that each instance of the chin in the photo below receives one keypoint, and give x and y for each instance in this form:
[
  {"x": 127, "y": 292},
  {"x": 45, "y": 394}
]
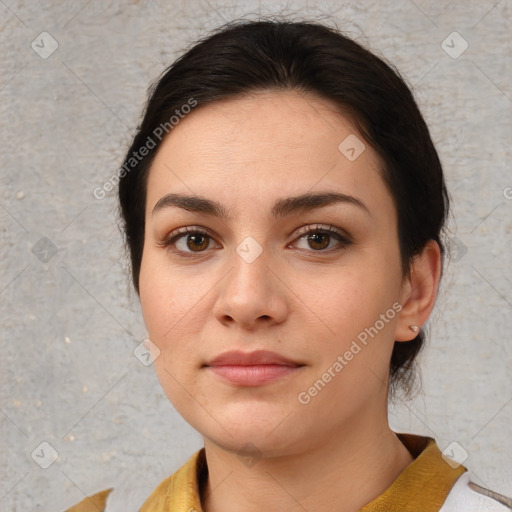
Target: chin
[
  {"x": 268, "y": 434},
  {"x": 255, "y": 445}
]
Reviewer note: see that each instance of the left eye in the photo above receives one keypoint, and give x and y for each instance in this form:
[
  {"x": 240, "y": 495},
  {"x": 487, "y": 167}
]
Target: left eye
[{"x": 320, "y": 238}]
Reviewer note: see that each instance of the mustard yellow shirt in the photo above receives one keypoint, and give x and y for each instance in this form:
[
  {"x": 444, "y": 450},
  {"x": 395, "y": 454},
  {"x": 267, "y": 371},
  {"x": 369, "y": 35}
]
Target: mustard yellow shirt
[{"x": 423, "y": 486}]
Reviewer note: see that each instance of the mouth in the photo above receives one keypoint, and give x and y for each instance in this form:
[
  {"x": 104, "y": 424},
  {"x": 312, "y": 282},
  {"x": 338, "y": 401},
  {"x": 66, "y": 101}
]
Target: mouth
[{"x": 253, "y": 368}]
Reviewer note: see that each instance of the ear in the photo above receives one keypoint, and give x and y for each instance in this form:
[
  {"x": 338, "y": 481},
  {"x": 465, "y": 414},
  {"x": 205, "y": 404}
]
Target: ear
[{"x": 419, "y": 291}]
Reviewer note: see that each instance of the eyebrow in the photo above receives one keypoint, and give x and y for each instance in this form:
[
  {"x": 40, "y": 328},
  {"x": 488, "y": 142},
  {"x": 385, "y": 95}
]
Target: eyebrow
[{"x": 281, "y": 208}]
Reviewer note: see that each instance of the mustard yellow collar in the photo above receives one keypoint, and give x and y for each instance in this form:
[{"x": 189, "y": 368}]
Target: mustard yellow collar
[{"x": 423, "y": 485}]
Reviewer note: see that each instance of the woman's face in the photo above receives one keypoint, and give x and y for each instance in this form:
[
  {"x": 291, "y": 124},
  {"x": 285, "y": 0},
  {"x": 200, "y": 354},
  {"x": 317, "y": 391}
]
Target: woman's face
[{"x": 327, "y": 303}]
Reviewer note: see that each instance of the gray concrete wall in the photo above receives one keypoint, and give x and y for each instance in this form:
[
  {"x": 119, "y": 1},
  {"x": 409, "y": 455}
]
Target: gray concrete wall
[{"x": 70, "y": 322}]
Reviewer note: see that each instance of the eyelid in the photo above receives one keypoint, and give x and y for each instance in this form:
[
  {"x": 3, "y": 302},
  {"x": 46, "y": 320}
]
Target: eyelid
[
  {"x": 327, "y": 228},
  {"x": 178, "y": 232}
]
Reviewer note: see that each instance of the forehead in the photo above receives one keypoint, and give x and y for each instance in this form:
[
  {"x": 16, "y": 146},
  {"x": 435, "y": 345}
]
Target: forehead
[
  {"x": 287, "y": 122},
  {"x": 265, "y": 145}
]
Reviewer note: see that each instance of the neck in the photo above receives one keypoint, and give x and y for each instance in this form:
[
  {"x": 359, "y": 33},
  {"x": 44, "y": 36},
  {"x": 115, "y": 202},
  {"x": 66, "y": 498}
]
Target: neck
[{"x": 344, "y": 473}]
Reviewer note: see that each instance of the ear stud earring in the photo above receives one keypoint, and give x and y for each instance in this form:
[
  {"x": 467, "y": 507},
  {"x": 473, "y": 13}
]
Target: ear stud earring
[{"x": 413, "y": 328}]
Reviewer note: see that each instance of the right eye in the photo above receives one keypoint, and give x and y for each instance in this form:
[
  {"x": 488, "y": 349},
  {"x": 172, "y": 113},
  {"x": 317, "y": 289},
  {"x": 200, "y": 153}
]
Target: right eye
[{"x": 187, "y": 240}]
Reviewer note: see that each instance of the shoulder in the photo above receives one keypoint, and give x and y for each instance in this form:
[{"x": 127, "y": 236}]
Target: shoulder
[
  {"x": 132, "y": 492},
  {"x": 126, "y": 497},
  {"x": 93, "y": 503},
  {"x": 470, "y": 497}
]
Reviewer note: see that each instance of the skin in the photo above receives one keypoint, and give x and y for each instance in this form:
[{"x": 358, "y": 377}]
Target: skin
[{"x": 305, "y": 301}]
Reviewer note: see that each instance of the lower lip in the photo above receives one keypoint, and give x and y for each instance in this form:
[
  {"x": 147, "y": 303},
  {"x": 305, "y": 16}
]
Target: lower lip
[{"x": 253, "y": 375}]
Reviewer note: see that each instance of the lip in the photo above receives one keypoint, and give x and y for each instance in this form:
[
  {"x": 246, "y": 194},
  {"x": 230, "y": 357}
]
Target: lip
[
  {"x": 252, "y": 368},
  {"x": 255, "y": 358}
]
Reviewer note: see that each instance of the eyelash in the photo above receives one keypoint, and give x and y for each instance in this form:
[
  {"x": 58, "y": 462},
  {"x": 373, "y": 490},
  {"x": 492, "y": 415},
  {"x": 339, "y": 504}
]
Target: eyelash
[{"x": 192, "y": 230}]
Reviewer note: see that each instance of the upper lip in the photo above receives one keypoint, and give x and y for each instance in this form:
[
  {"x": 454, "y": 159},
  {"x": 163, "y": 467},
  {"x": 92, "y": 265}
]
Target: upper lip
[{"x": 258, "y": 357}]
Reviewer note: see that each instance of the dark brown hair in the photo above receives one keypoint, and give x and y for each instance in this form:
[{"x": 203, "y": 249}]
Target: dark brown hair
[{"x": 245, "y": 56}]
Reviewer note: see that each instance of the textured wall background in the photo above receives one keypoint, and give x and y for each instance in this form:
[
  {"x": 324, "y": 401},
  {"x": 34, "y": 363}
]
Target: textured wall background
[{"x": 70, "y": 322}]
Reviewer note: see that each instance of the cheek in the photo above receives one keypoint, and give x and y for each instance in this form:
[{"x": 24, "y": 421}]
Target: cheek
[
  {"x": 351, "y": 298},
  {"x": 166, "y": 308},
  {"x": 159, "y": 303},
  {"x": 171, "y": 306},
  {"x": 354, "y": 306},
  {"x": 166, "y": 300}
]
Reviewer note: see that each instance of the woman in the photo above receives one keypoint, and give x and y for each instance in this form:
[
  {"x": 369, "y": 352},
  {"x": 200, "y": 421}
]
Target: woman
[{"x": 283, "y": 206}]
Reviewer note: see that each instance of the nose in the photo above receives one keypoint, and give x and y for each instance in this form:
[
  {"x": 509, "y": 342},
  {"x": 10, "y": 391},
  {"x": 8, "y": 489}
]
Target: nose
[{"x": 253, "y": 292}]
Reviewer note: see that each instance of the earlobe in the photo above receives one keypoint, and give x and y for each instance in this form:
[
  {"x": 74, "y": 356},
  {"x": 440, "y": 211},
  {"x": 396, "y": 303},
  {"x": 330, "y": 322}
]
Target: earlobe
[{"x": 419, "y": 292}]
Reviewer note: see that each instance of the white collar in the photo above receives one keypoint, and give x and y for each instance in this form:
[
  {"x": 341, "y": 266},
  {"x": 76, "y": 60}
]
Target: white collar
[{"x": 463, "y": 497}]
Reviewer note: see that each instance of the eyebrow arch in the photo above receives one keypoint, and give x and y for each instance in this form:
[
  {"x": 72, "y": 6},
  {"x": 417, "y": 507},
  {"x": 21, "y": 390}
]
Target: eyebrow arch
[{"x": 282, "y": 207}]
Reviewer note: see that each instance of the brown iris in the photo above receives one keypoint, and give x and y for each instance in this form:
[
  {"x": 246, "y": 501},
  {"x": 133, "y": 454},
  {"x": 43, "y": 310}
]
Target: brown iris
[
  {"x": 197, "y": 241},
  {"x": 318, "y": 238}
]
